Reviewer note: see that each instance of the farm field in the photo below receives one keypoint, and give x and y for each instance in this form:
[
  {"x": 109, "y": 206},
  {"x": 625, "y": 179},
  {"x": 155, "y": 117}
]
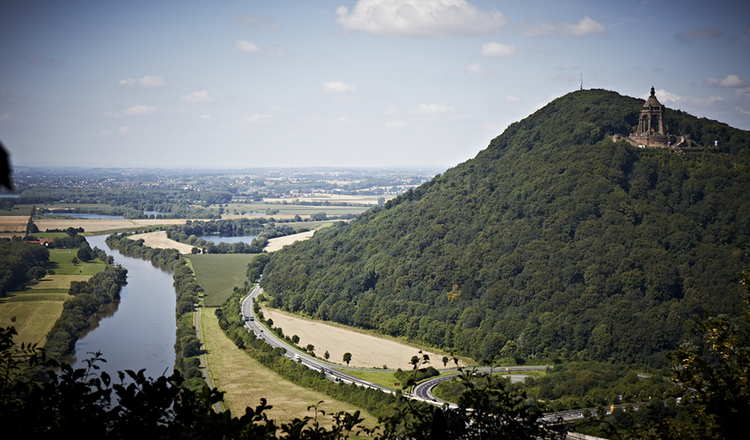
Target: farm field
[
  {"x": 287, "y": 207},
  {"x": 99, "y": 226},
  {"x": 37, "y": 308},
  {"x": 367, "y": 351},
  {"x": 245, "y": 380},
  {"x": 32, "y": 313},
  {"x": 60, "y": 262},
  {"x": 219, "y": 274},
  {"x": 277, "y": 243},
  {"x": 159, "y": 240},
  {"x": 18, "y": 210},
  {"x": 13, "y": 223},
  {"x": 333, "y": 198}
]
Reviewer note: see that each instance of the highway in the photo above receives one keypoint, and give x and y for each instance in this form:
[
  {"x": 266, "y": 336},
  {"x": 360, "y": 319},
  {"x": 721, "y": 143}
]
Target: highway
[
  {"x": 294, "y": 353},
  {"x": 422, "y": 391}
]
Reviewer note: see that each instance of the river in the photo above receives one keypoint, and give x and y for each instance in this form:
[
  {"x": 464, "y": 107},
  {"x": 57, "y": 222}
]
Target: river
[{"x": 141, "y": 332}]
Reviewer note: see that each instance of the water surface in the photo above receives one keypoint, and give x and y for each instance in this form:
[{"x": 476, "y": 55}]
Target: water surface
[{"x": 141, "y": 332}]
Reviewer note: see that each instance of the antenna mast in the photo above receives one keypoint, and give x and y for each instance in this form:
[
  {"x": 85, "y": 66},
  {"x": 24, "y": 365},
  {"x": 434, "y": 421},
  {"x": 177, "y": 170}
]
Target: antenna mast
[{"x": 581, "y": 86}]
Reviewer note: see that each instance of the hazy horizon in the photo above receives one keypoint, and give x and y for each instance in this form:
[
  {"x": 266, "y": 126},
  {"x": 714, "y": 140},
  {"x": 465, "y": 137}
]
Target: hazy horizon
[{"x": 368, "y": 83}]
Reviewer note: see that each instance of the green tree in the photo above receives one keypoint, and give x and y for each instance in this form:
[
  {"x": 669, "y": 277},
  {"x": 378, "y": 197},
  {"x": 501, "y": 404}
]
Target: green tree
[
  {"x": 489, "y": 408},
  {"x": 715, "y": 379},
  {"x": 347, "y": 358},
  {"x": 37, "y": 273},
  {"x": 89, "y": 405}
]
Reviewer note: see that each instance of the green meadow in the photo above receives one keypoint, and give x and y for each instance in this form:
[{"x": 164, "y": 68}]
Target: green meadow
[
  {"x": 34, "y": 310},
  {"x": 219, "y": 274}
]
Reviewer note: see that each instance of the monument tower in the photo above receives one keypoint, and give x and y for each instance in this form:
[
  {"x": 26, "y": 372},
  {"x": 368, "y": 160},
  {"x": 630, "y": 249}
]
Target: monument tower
[
  {"x": 651, "y": 132},
  {"x": 651, "y": 121}
]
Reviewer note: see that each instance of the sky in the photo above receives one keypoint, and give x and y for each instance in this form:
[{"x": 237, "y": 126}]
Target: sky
[{"x": 342, "y": 83}]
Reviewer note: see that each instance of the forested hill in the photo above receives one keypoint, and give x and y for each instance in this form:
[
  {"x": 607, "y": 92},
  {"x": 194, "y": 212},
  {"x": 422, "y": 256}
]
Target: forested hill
[{"x": 554, "y": 241}]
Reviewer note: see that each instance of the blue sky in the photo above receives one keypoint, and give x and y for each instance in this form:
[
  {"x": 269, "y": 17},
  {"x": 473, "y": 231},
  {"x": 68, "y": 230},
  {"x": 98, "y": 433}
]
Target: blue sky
[{"x": 373, "y": 83}]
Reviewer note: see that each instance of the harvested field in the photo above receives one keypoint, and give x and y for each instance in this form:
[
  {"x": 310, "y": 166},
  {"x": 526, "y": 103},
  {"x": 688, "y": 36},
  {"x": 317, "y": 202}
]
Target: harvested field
[
  {"x": 367, "y": 351},
  {"x": 245, "y": 380},
  {"x": 103, "y": 225},
  {"x": 13, "y": 223},
  {"x": 159, "y": 240},
  {"x": 277, "y": 243},
  {"x": 35, "y": 314}
]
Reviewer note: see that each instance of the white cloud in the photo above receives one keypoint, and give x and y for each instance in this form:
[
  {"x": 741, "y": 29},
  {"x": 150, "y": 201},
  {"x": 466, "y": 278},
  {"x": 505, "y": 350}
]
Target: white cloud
[
  {"x": 511, "y": 98},
  {"x": 665, "y": 96},
  {"x": 139, "y": 109},
  {"x": 395, "y": 124},
  {"x": 205, "y": 117},
  {"x": 248, "y": 47},
  {"x": 434, "y": 109},
  {"x": 743, "y": 93},
  {"x": 419, "y": 18},
  {"x": 729, "y": 81},
  {"x": 585, "y": 26},
  {"x": 668, "y": 97},
  {"x": 258, "y": 118},
  {"x": 124, "y": 129},
  {"x": 497, "y": 50},
  {"x": 111, "y": 114},
  {"x": 5, "y": 118},
  {"x": 145, "y": 82},
  {"x": 339, "y": 87},
  {"x": 195, "y": 97}
]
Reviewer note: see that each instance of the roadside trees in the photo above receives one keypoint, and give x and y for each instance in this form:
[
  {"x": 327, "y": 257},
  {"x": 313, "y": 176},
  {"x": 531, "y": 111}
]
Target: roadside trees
[{"x": 347, "y": 358}]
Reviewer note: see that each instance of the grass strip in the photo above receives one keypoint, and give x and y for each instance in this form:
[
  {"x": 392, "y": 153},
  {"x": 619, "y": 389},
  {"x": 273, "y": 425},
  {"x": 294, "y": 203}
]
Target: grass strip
[{"x": 245, "y": 381}]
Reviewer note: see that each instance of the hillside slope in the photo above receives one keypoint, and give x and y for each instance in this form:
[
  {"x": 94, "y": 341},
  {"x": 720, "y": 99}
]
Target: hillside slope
[{"x": 554, "y": 241}]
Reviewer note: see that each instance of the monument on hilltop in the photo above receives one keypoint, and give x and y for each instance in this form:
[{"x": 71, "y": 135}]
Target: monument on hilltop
[{"x": 651, "y": 132}]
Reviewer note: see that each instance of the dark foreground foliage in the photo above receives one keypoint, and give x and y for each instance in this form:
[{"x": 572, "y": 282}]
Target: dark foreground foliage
[
  {"x": 64, "y": 402},
  {"x": 712, "y": 388}
]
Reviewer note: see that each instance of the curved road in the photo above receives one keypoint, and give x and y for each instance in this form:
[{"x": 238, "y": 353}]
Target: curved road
[
  {"x": 422, "y": 391},
  {"x": 294, "y": 353}
]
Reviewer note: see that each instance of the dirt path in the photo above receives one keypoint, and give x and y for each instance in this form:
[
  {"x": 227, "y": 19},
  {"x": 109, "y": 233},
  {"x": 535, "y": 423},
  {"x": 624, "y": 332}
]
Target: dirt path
[{"x": 367, "y": 351}]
